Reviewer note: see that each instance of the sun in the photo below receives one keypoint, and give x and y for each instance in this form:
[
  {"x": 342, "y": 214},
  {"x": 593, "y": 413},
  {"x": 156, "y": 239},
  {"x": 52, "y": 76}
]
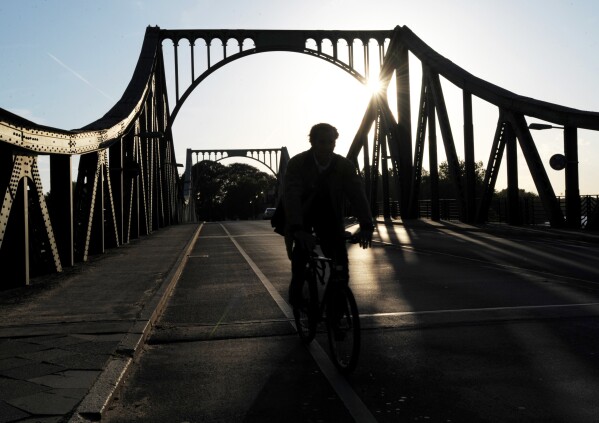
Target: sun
[{"x": 374, "y": 86}]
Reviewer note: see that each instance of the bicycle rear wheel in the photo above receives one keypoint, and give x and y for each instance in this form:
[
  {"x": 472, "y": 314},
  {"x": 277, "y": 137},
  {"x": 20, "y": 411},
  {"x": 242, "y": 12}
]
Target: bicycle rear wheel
[
  {"x": 343, "y": 329},
  {"x": 305, "y": 312}
]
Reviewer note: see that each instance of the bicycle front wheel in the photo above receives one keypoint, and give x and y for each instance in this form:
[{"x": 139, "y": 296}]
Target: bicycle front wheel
[
  {"x": 305, "y": 312},
  {"x": 343, "y": 329}
]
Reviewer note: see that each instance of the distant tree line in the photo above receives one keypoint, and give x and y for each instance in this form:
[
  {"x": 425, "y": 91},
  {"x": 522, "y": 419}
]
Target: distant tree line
[
  {"x": 446, "y": 185},
  {"x": 235, "y": 191}
]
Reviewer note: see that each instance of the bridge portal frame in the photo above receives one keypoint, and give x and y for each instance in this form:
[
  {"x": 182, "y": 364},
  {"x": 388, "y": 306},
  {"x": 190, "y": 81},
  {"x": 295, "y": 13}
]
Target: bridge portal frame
[{"x": 280, "y": 167}]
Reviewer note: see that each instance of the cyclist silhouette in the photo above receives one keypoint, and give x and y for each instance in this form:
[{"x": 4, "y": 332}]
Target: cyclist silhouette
[{"x": 317, "y": 185}]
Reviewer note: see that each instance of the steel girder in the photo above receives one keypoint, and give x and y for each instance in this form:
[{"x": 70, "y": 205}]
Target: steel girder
[{"x": 29, "y": 229}]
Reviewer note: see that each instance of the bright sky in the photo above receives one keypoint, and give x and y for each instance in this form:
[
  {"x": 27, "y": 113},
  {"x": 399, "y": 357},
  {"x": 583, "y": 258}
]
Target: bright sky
[{"x": 66, "y": 62}]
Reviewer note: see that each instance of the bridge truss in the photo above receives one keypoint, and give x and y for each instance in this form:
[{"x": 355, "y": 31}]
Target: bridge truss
[{"x": 127, "y": 183}]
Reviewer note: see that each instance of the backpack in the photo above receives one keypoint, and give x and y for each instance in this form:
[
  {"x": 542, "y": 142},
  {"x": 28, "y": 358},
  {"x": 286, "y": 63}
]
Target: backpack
[{"x": 278, "y": 220}]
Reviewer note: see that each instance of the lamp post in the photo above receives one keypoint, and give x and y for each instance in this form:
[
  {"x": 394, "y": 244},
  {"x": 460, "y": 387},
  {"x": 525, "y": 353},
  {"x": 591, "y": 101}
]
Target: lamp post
[
  {"x": 541, "y": 126},
  {"x": 570, "y": 163}
]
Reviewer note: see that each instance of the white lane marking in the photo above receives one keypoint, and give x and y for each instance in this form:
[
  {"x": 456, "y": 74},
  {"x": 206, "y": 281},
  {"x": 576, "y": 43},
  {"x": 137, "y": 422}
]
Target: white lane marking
[
  {"x": 404, "y": 313},
  {"x": 352, "y": 401},
  {"x": 285, "y": 308},
  {"x": 466, "y": 310}
]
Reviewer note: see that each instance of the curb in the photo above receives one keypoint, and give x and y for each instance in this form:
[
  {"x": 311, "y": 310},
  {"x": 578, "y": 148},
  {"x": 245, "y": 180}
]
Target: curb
[{"x": 101, "y": 392}]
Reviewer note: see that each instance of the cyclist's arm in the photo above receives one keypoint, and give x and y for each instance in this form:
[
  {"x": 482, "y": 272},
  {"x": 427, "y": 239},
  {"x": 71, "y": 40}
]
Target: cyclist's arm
[
  {"x": 365, "y": 237},
  {"x": 357, "y": 196},
  {"x": 304, "y": 239},
  {"x": 293, "y": 192}
]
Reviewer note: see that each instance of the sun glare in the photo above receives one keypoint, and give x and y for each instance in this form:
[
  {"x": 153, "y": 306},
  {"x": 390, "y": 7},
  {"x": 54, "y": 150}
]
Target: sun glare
[{"x": 374, "y": 86}]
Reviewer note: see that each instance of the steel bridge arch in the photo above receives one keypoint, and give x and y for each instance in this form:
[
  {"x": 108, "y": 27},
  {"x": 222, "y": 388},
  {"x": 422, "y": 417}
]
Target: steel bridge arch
[
  {"x": 291, "y": 44},
  {"x": 243, "y": 154},
  {"x": 249, "y": 157},
  {"x": 247, "y": 53}
]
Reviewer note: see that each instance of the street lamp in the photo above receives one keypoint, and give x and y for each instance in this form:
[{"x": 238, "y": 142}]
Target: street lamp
[
  {"x": 541, "y": 126},
  {"x": 568, "y": 161}
]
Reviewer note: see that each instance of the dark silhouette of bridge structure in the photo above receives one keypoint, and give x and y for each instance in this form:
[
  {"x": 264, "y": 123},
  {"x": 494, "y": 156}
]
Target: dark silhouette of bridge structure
[{"x": 127, "y": 184}]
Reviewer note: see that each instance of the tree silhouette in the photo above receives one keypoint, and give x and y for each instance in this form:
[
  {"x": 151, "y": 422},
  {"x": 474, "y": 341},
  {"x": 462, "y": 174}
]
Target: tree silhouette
[
  {"x": 446, "y": 185},
  {"x": 236, "y": 191},
  {"x": 208, "y": 187}
]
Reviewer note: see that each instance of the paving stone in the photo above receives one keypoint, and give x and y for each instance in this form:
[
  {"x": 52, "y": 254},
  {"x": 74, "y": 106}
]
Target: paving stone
[
  {"x": 39, "y": 339},
  {"x": 11, "y": 388},
  {"x": 8, "y": 413},
  {"x": 78, "y": 361},
  {"x": 55, "y": 341},
  {"x": 45, "y": 355},
  {"x": 31, "y": 370},
  {"x": 94, "y": 347},
  {"x": 53, "y": 402},
  {"x": 68, "y": 379},
  {"x": 12, "y": 362},
  {"x": 12, "y": 348},
  {"x": 101, "y": 337}
]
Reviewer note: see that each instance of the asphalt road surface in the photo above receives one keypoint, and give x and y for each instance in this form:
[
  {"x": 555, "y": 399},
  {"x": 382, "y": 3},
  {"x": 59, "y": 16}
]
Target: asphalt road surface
[{"x": 458, "y": 325}]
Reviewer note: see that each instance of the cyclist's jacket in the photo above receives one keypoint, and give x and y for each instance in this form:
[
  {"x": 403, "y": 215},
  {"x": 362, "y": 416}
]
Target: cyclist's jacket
[{"x": 306, "y": 193}]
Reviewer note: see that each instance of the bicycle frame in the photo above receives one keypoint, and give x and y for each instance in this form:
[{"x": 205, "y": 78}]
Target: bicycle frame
[
  {"x": 318, "y": 268},
  {"x": 334, "y": 305}
]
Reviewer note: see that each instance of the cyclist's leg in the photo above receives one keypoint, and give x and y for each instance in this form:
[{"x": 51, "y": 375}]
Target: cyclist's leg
[
  {"x": 299, "y": 259},
  {"x": 333, "y": 246}
]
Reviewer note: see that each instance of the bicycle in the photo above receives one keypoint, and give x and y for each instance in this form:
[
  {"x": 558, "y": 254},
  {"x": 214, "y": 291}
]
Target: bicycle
[{"x": 333, "y": 303}]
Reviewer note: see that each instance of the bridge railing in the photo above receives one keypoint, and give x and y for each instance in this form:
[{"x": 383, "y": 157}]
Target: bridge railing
[{"x": 530, "y": 211}]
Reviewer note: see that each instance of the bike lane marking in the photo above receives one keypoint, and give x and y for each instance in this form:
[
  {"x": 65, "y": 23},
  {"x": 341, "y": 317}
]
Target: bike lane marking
[{"x": 351, "y": 400}]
